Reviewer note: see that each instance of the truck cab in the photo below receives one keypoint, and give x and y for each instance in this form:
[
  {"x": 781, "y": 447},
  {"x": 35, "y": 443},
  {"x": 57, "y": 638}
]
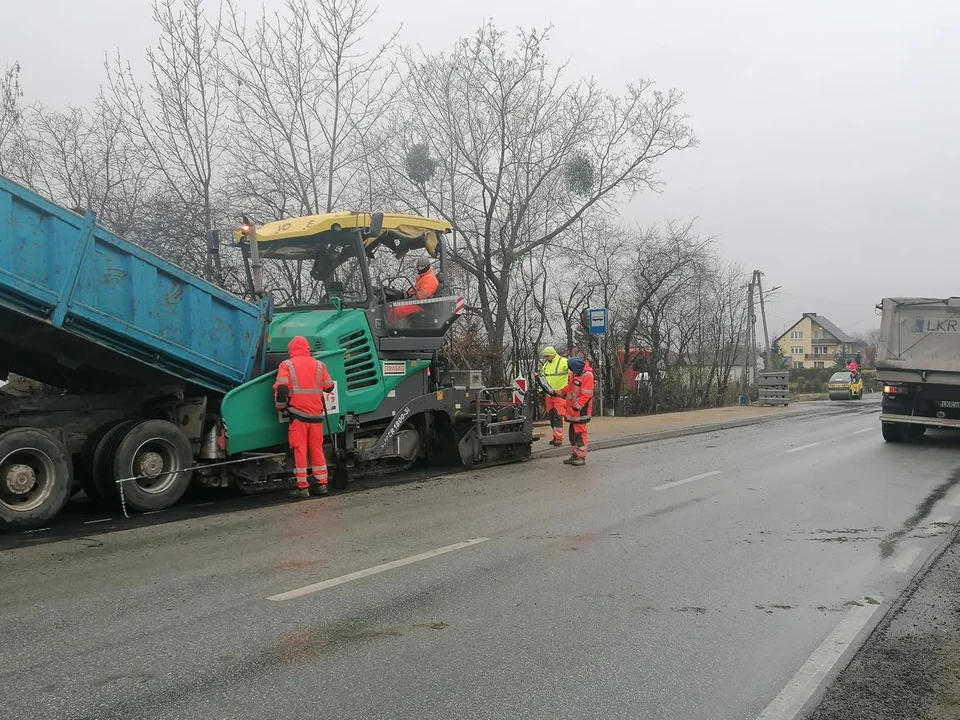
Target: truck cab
[{"x": 324, "y": 267}]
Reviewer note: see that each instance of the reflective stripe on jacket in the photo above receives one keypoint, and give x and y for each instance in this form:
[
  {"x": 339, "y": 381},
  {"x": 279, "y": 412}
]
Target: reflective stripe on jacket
[
  {"x": 307, "y": 378},
  {"x": 579, "y": 394}
]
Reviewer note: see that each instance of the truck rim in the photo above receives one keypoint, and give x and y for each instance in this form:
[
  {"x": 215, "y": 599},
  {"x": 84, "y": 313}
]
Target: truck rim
[
  {"x": 27, "y": 479},
  {"x": 157, "y": 459}
]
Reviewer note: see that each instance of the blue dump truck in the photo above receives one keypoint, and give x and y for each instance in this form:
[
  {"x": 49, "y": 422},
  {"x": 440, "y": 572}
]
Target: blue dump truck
[{"x": 163, "y": 378}]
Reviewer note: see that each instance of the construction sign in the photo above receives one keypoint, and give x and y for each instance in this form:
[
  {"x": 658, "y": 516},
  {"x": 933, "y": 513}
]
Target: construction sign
[{"x": 519, "y": 390}]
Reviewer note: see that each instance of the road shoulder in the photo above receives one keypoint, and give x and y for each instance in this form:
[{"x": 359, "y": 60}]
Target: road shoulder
[{"x": 909, "y": 668}]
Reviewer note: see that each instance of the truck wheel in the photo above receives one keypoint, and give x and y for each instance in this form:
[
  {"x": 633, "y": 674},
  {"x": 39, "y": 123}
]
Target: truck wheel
[
  {"x": 159, "y": 450},
  {"x": 84, "y": 467},
  {"x": 893, "y": 432},
  {"x": 35, "y": 478},
  {"x": 103, "y": 483}
]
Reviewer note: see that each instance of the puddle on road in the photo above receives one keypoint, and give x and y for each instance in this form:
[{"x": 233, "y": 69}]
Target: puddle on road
[{"x": 889, "y": 543}]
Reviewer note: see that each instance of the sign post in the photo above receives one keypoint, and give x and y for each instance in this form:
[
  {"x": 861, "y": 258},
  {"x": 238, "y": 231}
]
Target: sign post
[{"x": 597, "y": 325}]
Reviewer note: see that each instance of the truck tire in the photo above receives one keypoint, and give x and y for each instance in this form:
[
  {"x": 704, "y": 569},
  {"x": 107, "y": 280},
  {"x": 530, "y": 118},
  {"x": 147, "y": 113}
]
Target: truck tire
[
  {"x": 160, "y": 449},
  {"x": 893, "y": 432},
  {"x": 36, "y": 478},
  {"x": 84, "y": 467},
  {"x": 104, "y": 483}
]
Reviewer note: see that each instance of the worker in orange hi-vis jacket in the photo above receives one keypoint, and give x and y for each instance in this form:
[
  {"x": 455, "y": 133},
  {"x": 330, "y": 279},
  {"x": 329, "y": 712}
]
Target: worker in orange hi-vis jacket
[
  {"x": 298, "y": 392},
  {"x": 425, "y": 287},
  {"x": 579, "y": 395}
]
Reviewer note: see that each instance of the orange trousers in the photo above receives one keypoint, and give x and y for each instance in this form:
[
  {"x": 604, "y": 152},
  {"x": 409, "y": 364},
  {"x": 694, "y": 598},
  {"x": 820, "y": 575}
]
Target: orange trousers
[
  {"x": 402, "y": 311},
  {"x": 578, "y": 438},
  {"x": 306, "y": 440},
  {"x": 556, "y": 410}
]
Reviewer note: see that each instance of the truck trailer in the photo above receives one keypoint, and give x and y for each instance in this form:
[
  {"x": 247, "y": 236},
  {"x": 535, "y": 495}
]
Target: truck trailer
[
  {"x": 918, "y": 364},
  {"x": 163, "y": 379}
]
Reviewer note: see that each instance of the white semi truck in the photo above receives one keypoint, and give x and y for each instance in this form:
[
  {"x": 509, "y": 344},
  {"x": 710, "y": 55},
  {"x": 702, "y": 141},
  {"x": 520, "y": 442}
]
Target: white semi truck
[{"x": 918, "y": 363}]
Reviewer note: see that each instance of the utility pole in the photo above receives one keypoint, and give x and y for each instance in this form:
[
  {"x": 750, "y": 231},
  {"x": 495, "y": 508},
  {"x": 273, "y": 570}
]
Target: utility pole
[
  {"x": 212, "y": 268},
  {"x": 749, "y": 344},
  {"x": 763, "y": 315}
]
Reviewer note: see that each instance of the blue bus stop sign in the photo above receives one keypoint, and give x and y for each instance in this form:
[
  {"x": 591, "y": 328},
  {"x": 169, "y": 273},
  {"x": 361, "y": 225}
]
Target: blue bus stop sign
[{"x": 597, "y": 321}]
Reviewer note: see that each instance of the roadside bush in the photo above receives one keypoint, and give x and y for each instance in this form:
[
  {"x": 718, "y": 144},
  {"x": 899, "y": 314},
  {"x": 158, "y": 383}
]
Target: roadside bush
[
  {"x": 816, "y": 380},
  {"x": 810, "y": 380}
]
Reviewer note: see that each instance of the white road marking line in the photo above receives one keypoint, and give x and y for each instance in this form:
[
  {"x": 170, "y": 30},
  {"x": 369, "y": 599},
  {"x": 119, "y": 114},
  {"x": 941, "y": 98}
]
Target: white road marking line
[
  {"x": 688, "y": 480},
  {"x": 802, "y": 447},
  {"x": 788, "y": 704},
  {"x": 94, "y": 522},
  {"x": 333, "y": 582},
  {"x": 854, "y": 434},
  {"x": 152, "y": 512},
  {"x": 38, "y": 530},
  {"x": 904, "y": 558}
]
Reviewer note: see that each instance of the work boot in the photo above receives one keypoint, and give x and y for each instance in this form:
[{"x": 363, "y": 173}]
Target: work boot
[
  {"x": 577, "y": 461},
  {"x": 557, "y": 443},
  {"x": 300, "y": 493},
  {"x": 572, "y": 460},
  {"x": 319, "y": 489}
]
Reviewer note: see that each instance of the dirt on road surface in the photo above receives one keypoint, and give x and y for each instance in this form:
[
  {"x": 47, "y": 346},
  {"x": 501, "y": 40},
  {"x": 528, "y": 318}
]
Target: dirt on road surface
[{"x": 909, "y": 669}]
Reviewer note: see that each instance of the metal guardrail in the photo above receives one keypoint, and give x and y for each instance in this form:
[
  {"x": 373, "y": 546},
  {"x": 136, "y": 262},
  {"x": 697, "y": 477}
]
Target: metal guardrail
[{"x": 774, "y": 388}]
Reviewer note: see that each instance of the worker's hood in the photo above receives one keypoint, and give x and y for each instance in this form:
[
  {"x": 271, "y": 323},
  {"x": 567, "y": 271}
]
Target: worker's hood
[{"x": 299, "y": 347}]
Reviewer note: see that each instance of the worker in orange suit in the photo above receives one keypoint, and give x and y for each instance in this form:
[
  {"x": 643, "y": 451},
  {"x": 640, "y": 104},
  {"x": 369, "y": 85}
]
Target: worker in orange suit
[
  {"x": 425, "y": 286},
  {"x": 298, "y": 392},
  {"x": 556, "y": 375},
  {"x": 579, "y": 396}
]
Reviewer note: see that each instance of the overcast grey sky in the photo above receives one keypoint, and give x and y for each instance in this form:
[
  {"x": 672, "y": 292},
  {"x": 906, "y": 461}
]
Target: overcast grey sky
[{"x": 829, "y": 152}]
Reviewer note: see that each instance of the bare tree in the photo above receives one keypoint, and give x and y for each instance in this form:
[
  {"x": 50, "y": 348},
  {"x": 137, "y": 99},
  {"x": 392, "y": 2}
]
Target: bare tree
[
  {"x": 665, "y": 264},
  {"x": 311, "y": 97},
  {"x": 519, "y": 149},
  {"x": 87, "y": 159},
  {"x": 726, "y": 329},
  {"x": 11, "y": 123},
  {"x": 178, "y": 116},
  {"x": 868, "y": 341}
]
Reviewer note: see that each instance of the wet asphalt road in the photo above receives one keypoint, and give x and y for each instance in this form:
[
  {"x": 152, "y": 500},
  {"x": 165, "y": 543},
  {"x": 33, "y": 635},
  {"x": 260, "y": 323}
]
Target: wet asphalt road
[{"x": 598, "y": 592}]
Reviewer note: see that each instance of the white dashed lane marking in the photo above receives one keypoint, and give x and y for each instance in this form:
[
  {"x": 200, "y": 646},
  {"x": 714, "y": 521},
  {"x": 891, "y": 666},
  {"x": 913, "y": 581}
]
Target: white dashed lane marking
[
  {"x": 802, "y": 447},
  {"x": 333, "y": 582},
  {"x": 688, "y": 480}
]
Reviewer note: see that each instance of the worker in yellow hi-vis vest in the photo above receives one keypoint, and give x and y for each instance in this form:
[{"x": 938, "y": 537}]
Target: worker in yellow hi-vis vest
[{"x": 556, "y": 374}]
